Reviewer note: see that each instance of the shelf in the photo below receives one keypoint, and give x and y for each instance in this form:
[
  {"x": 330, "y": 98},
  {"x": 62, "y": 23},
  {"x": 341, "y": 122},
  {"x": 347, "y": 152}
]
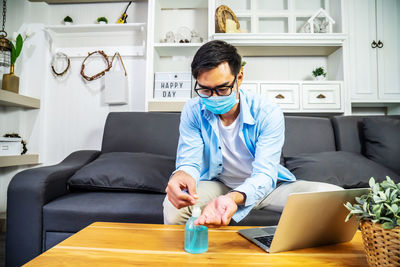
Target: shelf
[
  {"x": 285, "y": 44},
  {"x": 84, "y": 28},
  {"x": 11, "y": 99},
  {"x": 26, "y": 159},
  {"x": 177, "y": 49},
  {"x": 166, "y": 106}
]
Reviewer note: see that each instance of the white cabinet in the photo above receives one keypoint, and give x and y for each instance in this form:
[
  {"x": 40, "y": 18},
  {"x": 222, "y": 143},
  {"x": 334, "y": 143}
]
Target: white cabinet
[
  {"x": 301, "y": 96},
  {"x": 321, "y": 96},
  {"x": 279, "y": 58},
  {"x": 286, "y": 95},
  {"x": 374, "y": 30}
]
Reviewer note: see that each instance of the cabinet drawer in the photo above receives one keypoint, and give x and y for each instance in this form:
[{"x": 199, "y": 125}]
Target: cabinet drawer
[
  {"x": 250, "y": 87},
  {"x": 286, "y": 95},
  {"x": 321, "y": 96}
]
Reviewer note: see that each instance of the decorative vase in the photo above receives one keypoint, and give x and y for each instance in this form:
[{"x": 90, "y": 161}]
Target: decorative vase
[
  {"x": 320, "y": 78},
  {"x": 381, "y": 246},
  {"x": 11, "y": 81},
  {"x": 102, "y": 22},
  {"x": 67, "y": 23}
]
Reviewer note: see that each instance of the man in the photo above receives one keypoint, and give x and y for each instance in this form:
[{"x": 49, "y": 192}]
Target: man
[{"x": 229, "y": 147}]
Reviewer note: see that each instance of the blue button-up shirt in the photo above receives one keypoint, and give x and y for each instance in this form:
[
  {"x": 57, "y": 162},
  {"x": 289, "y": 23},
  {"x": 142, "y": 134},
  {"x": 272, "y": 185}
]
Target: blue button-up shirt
[{"x": 261, "y": 129}]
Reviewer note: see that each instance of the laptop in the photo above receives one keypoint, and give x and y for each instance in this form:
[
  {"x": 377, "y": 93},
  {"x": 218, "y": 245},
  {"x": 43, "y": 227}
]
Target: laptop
[{"x": 309, "y": 220}]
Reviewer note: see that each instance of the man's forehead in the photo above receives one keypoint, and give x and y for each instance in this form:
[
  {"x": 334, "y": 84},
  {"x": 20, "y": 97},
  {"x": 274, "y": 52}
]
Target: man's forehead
[{"x": 216, "y": 76}]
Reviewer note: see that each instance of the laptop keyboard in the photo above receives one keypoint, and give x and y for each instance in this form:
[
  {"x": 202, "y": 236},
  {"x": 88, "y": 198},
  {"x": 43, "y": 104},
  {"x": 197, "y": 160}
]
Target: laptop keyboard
[{"x": 265, "y": 240}]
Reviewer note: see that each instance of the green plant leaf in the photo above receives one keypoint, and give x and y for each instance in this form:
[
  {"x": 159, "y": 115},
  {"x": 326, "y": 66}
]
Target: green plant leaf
[
  {"x": 385, "y": 219},
  {"x": 18, "y": 45},
  {"x": 398, "y": 222},
  {"x": 371, "y": 182},
  {"x": 348, "y": 217},
  {"x": 395, "y": 208},
  {"x": 13, "y": 54},
  {"x": 388, "y": 225}
]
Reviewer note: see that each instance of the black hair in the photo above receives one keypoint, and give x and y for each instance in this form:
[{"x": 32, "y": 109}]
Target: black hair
[{"x": 212, "y": 54}]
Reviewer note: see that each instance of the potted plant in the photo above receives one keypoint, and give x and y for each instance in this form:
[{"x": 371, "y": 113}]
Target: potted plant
[
  {"x": 379, "y": 216},
  {"x": 68, "y": 20},
  {"x": 242, "y": 65},
  {"x": 10, "y": 80},
  {"x": 102, "y": 20},
  {"x": 319, "y": 73}
]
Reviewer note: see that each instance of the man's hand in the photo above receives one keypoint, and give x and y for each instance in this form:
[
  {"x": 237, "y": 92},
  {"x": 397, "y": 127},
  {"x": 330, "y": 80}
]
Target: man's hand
[
  {"x": 178, "y": 182},
  {"x": 219, "y": 211}
]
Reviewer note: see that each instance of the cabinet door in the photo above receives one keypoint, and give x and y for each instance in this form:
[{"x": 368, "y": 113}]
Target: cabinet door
[
  {"x": 363, "y": 58},
  {"x": 388, "y": 32}
]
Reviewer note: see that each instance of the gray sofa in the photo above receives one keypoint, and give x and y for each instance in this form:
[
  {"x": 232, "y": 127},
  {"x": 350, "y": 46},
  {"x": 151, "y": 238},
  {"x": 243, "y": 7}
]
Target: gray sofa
[{"x": 42, "y": 210}]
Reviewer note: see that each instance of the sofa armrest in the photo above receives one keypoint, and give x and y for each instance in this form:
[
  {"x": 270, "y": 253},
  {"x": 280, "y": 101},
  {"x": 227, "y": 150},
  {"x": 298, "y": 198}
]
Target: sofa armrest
[{"x": 28, "y": 192}]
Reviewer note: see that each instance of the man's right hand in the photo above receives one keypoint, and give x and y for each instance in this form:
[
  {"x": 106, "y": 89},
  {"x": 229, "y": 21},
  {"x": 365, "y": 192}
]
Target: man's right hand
[{"x": 178, "y": 182}]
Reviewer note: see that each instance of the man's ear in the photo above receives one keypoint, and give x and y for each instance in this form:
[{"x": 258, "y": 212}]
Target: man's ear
[{"x": 240, "y": 77}]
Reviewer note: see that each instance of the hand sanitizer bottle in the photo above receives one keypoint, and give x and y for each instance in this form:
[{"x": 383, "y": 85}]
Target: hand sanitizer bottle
[{"x": 196, "y": 236}]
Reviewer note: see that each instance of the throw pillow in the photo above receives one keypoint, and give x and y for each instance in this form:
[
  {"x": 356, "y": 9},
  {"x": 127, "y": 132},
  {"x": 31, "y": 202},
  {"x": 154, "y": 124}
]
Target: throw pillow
[
  {"x": 345, "y": 169},
  {"x": 125, "y": 171},
  {"x": 382, "y": 141}
]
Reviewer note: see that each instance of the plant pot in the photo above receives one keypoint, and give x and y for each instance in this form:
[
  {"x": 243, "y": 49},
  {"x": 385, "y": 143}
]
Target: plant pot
[
  {"x": 102, "y": 22},
  {"x": 11, "y": 81},
  {"x": 381, "y": 246},
  {"x": 67, "y": 23},
  {"x": 320, "y": 78}
]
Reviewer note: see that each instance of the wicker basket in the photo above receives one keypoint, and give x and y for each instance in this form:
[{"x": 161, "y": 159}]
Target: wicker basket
[{"x": 381, "y": 246}]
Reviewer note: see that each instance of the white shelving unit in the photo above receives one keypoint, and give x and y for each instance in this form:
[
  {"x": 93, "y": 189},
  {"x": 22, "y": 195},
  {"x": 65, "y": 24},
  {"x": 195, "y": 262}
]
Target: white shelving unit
[
  {"x": 26, "y": 159},
  {"x": 274, "y": 50},
  {"x": 130, "y": 38},
  {"x": 10, "y": 99}
]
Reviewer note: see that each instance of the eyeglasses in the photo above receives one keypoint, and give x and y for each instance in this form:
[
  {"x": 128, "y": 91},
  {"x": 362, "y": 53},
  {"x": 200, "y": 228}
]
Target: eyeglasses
[{"x": 222, "y": 90}]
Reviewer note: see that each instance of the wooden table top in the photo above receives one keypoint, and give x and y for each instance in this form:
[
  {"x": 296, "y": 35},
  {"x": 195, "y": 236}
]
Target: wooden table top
[{"x": 121, "y": 244}]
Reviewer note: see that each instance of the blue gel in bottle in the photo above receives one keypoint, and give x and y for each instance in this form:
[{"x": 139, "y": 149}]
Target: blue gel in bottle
[{"x": 196, "y": 236}]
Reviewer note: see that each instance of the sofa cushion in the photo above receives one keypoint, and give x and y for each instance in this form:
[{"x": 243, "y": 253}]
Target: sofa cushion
[
  {"x": 125, "y": 171},
  {"x": 74, "y": 211},
  {"x": 307, "y": 135},
  {"x": 345, "y": 169},
  {"x": 382, "y": 141}
]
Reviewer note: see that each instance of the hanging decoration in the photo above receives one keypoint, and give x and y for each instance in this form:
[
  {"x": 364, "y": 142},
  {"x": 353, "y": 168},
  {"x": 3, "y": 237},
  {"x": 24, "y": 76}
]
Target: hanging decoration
[
  {"x": 53, "y": 63},
  {"x": 116, "y": 84},
  {"x": 5, "y": 46},
  {"x": 100, "y": 74}
]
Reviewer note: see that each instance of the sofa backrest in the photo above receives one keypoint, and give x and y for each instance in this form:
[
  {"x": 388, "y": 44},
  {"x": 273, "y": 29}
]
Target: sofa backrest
[
  {"x": 307, "y": 135},
  {"x": 152, "y": 132},
  {"x": 349, "y": 132}
]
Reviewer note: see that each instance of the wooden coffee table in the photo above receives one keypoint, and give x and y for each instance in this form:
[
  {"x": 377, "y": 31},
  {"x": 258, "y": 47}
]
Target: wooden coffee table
[{"x": 121, "y": 244}]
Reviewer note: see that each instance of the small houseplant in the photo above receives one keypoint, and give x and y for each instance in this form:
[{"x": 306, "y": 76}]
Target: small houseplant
[
  {"x": 319, "y": 73},
  {"x": 68, "y": 20},
  {"x": 10, "y": 80},
  {"x": 379, "y": 216},
  {"x": 102, "y": 20}
]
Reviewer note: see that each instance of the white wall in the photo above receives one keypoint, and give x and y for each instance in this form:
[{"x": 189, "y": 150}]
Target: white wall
[{"x": 73, "y": 111}]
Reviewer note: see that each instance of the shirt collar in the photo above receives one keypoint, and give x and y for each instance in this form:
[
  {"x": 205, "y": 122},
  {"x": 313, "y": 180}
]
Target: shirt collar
[{"x": 244, "y": 109}]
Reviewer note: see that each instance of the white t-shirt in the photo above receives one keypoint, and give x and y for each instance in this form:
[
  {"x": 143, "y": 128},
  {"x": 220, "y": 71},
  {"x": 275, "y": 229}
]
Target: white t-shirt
[{"x": 236, "y": 157}]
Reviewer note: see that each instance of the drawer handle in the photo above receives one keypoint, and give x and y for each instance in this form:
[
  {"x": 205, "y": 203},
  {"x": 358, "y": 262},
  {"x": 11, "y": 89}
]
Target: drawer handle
[
  {"x": 321, "y": 96},
  {"x": 279, "y": 96}
]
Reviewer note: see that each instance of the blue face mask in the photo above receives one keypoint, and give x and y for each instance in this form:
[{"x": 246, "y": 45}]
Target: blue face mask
[{"x": 220, "y": 104}]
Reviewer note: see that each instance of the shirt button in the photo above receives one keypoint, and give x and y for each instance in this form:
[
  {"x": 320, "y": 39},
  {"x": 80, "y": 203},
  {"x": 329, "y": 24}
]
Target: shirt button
[
  {"x": 219, "y": 174},
  {"x": 220, "y": 164},
  {"x": 219, "y": 147}
]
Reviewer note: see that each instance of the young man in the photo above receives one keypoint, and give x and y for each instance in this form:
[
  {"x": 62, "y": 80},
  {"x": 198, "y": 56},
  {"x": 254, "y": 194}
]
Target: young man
[{"x": 229, "y": 147}]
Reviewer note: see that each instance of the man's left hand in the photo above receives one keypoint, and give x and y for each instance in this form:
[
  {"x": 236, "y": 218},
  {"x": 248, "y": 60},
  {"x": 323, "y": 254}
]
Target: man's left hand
[{"x": 218, "y": 211}]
